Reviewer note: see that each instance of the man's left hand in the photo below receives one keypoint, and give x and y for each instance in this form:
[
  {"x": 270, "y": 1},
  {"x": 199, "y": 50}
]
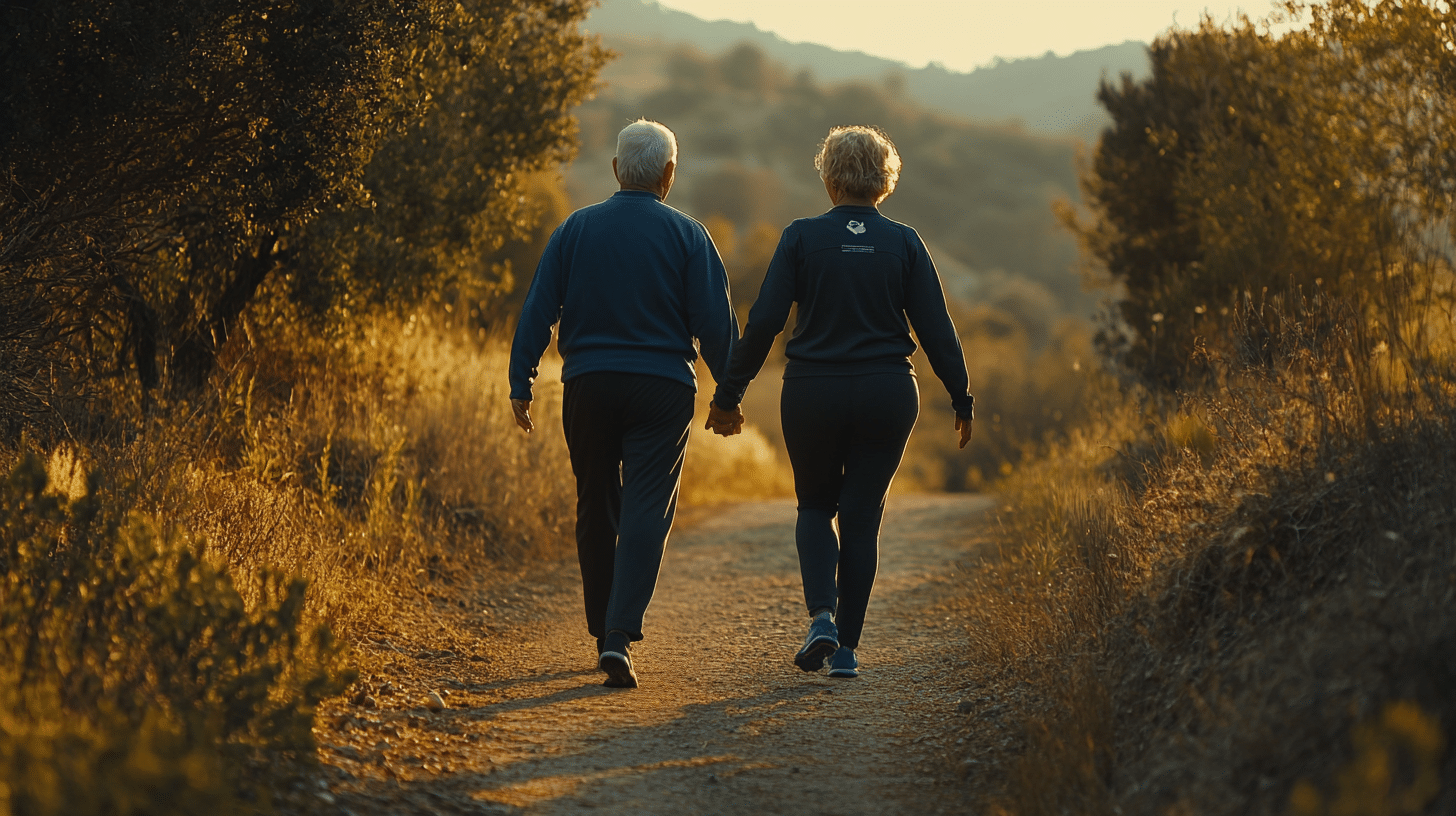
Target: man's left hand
[
  {"x": 522, "y": 411},
  {"x": 724, "y": 423}
]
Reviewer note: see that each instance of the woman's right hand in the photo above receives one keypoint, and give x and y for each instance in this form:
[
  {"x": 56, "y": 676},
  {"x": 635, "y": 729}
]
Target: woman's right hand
[{"x": 964, "y": 426}]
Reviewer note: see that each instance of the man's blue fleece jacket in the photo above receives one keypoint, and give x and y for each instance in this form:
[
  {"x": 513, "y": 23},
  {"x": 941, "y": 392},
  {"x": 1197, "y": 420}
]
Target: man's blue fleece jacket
[{"x": 631, "y": 281}]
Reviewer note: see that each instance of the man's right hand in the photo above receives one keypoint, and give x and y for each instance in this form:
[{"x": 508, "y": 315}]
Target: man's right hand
[
  {"x": 963, "y": 426},
  {"x": 724, "y": 423},
  {"x": 521, "y": 409}
]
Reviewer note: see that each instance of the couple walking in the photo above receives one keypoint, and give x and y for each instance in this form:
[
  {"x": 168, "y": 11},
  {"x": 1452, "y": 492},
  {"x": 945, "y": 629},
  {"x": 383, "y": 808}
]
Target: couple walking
[{"x": 631, "y": 282}]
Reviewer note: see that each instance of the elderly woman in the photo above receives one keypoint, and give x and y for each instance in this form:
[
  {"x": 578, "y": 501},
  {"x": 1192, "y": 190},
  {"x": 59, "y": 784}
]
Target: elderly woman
[{"x": 861, "y": 282}]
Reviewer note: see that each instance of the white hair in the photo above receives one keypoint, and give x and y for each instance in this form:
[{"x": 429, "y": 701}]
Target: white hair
[{"x": 643, "y": 149}]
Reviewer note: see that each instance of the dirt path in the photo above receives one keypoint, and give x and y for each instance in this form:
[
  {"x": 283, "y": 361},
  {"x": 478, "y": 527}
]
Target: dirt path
[{"x": 723, "y": 722}]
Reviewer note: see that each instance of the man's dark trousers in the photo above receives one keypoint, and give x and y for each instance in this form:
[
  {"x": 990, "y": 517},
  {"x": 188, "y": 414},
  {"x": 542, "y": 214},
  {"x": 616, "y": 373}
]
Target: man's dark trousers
[{"x": 627, "y": 434}]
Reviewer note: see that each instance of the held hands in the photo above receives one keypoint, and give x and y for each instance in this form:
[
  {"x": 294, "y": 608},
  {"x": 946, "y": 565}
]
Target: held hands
[
  {"x": 521, "y": 409},
  {"x": 964, "y": 426},
  {"x": 724, "y": 423}
]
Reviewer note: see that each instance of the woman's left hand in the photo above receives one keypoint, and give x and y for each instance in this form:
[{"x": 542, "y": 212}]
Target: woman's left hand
[{"x": 964, "y": 426}]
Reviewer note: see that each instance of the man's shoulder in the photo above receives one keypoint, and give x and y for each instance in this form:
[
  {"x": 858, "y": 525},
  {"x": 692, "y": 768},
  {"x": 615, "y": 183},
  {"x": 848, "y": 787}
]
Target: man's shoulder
[
  {"x": 679, "y": 218},
  {"x": 634, "y": 218},
  {"x": 586, "y": 213},
  {"x": 639, "y": 208},
  {"x": 675, "y": 222}
]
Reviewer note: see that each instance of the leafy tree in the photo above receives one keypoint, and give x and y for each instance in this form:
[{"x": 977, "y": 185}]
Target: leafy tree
[
  {"x": 746, "y": 68},
  {"x": 1249, "y": 168},
  {"x": 742, "y": 195},
  {"x": 446, "y": 193},
  {"x": 152, "y": 156},
  {"x": 158, "y": 164}
]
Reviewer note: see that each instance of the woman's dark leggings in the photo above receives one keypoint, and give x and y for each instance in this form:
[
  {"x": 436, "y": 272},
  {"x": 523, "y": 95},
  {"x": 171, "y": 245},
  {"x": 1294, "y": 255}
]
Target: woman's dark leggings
[{"x": 845, "y": 436}]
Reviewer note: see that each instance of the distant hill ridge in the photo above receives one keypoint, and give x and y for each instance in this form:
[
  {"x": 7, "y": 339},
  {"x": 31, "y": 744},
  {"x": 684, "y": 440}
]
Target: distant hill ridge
[{"x": 1048, "y": 95}]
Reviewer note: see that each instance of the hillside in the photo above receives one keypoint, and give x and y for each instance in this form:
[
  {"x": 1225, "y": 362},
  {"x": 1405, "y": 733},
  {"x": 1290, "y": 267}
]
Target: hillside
[
  {"x": 748, "y": 126},
  {"x": 980, "y": 195},
  {"x": 1047, "y": 95}
]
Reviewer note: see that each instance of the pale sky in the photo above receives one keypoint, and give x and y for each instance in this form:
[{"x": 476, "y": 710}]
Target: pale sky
[{"x": 965, "y": 34}]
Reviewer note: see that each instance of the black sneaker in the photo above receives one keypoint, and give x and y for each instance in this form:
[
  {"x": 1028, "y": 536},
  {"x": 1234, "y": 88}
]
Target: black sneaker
[
  {"x": 616, "y": 661},
  {"x": 820, "y": 643},
  {"x": 844, "y": 663}
]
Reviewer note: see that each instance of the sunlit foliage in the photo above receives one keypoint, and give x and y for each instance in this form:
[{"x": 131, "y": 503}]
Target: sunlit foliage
[
  {"x": 238, "y": 183},
  {"x": 1254, "y": 167},
  {"x": 159, "y": 165},
  {"x": 1230, "y": 591},
  {"x": 135, "y": 679},
  {"x": 447, "y": 192}
]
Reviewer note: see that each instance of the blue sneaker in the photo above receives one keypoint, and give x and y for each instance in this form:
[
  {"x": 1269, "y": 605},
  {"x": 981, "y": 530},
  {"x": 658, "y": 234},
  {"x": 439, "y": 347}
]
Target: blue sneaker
[
  {"x": 820, "y": 643},
  {"x": 844, "y": 663}
]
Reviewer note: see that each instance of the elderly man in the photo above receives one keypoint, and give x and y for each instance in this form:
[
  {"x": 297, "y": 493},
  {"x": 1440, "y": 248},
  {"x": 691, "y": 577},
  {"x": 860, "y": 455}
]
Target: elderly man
[{"x": 632, "y": 282}]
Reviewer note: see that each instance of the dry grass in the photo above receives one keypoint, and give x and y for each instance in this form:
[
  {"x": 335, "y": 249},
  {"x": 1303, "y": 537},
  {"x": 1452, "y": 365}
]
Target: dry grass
[
  {"x": 725, "y": 469},
  {"x": 135, "y": 676},
  {"x": 376, "y": 467},
  {"x": 364, "y": 465},
  {"x": 1214, "y": 605},
  {"x": 375, "y": 463}
]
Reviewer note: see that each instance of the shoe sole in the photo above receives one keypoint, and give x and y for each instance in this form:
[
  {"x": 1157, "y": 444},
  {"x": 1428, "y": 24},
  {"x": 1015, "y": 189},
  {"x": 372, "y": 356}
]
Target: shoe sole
[
  {"x": 619, "y": 670},
  {"x": 843, "y": 673},
  {"x": 811, "y": 658}
]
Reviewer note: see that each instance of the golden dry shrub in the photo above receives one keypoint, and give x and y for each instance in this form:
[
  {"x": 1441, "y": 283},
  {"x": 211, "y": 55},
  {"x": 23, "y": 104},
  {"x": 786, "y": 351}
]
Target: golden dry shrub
[
  {"x": 1207, "y": 602},
  {"x": 133, "y": 677}
]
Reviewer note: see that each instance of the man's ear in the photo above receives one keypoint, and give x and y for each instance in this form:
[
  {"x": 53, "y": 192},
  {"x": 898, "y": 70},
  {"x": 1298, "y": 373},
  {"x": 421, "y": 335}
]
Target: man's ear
[
  {"x": 614, "y": 170},
  {"x": 669, "y": 174}
]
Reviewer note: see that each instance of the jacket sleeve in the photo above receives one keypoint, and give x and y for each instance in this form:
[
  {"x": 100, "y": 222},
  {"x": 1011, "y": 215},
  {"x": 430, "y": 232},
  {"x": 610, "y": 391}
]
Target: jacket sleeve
[
  {"x": 765, "y": 320},
  {"x": 925, "y": 307},
  {"x": 539, "y": 315},
  {"x": 710, "y": 306}
]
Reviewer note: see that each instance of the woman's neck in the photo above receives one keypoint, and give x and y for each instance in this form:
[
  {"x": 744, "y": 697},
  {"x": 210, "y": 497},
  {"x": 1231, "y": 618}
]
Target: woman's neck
[{"x": 839, "y": 198}]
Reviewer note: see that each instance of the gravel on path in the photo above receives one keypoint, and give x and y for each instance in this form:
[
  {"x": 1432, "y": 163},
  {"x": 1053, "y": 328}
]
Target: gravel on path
[{"x": 723, "y": 722}]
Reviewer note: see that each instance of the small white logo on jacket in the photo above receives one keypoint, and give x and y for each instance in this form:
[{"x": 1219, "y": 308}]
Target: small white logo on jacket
[{"x": 856, "y": 227}]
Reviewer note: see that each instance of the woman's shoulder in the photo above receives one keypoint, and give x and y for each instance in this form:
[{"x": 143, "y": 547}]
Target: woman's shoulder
[
  {"x": 798, "y": 228},
  {"x": 908, "y": 230}
]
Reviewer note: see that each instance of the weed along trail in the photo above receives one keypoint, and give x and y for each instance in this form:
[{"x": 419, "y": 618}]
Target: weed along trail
[{"x": 722, "y": 723}]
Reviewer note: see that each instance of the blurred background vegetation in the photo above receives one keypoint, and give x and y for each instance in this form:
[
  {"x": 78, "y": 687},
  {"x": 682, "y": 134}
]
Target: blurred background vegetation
[{"x": 981, "y": 195}]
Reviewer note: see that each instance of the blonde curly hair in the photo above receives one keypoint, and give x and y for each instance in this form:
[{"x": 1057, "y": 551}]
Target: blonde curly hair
[{"x": 860, "y": 160}]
